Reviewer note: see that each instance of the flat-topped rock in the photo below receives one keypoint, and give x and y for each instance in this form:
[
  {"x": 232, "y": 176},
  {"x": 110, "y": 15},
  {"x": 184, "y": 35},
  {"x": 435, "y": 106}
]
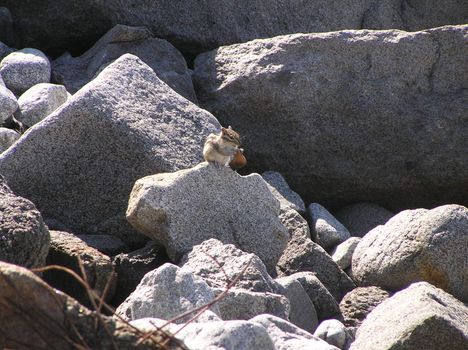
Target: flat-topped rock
[{"x": 185, "y": 208}]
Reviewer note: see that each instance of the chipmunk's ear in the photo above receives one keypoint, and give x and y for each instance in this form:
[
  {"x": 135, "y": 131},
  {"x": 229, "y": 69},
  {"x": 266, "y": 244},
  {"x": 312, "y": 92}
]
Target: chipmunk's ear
[{"x": 229, "y": 127}]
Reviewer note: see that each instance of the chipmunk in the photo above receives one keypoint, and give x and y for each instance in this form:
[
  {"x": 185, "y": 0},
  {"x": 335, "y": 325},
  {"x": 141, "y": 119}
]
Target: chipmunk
[{"x": 223, "y": 149}]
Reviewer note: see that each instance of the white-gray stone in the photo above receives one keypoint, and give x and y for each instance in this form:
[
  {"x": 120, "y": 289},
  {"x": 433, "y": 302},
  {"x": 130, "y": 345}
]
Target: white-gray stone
[
  {"x": 280, "y": 188},
  {"x": 302, "y": 312},
  {"x": 287, "y": 336},
  {"x": 417, "y": 245},
  {"x": 240, "y": 304},
  {"x": 185, "y": 208},
  {"x": 219, "y": 264},
  {"x": 419, "y": 317},
  {"x": 360, "y": 218},
  {"x": 334, "y": 333},
  {"x": 39, "y": 101},
  {"x": 327, "y": 230},
  {"x": 343, "y": 252},
  {"x": 159, "y": 54},
  {"x": 168, "y": 292},
  {"x": 7, "y": 138},
  {"x": 123, "y": 125},
  {"x": 8, "y": 102},
  {"x": 25, "y": 68},
  {"x": 225, "y": 335}
]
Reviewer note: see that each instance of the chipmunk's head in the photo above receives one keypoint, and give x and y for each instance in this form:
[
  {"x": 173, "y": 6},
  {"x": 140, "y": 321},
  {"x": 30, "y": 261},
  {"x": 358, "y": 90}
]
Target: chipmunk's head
[{"x": 229, "y": 135}]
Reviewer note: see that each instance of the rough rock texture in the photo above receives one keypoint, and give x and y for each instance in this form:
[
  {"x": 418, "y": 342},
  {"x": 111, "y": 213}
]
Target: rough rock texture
[
  {"x": 25, "y": 68},
  {"x": 39, "y": 101},
  {"x": 40, "y": 317},
  {"x": 159, "y": 54},
  {"x": 360, "y": 218},
  {"x": 67, "y": 250},
  {"x": 301, "y": 254},
  {"x": 185, "y": 208},
  {"x": 7, "y": 138},
  {"x": 287, "y": 336},
  {"x": 358, "y": 303},
  {"x": 133, "y": 124},
  {"x": 168, "y": 292},
  {"x": 343, "y": 252},
  {"x": 280, "y": 188},
  {"x": 24, "y": 238},
  {"x": 325, "y": 304},
  {"x": 106, "y": 244},
  {"x": 219, "y": 264},
  {"x": 132, "y": 267},
  {"x": 419, "y": 317},
  {"x": 201, "y": 25},
  {"x": 302, "y": 311},
  {"x": 346, "y": 107},
  {"x": 327, "y": 230},
  {"x": 225, "y": 335},
  {"x": 334, "y": 333},
  {"x": 240, "y": 304},
  {"x": 417, "y": 245},
  {"x": 8, "y": 102}
]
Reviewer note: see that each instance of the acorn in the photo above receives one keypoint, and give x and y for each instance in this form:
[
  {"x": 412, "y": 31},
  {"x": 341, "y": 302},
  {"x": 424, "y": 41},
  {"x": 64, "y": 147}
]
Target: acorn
[{"x": 239, "y": 160}]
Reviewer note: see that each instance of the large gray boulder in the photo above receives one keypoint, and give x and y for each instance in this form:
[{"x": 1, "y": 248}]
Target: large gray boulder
[
  {"x": 201, "y": 25},
  {"x": 36, "y": 316},
  {"x": 419, "y": 317},
  {"x": 123, "y": 125},
  {"x": 159, "y": 54},
  {"x": 185, "y": 208},
  {"x": 333, "y": 112},
  {"x": 25, "y": 68},
  {"x": 24, "y": 238},
  {"x": 168, "y": 292},
  {"x": 39, "y": 101},
  {"x": 416, "y": 245}
]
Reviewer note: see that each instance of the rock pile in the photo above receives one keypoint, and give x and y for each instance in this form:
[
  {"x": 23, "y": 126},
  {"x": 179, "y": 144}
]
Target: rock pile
[{"x": 116, "y": 233}]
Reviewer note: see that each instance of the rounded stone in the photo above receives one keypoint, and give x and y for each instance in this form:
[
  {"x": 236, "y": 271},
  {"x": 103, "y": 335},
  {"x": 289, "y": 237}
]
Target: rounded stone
[{"x": 25, "y": 68}]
